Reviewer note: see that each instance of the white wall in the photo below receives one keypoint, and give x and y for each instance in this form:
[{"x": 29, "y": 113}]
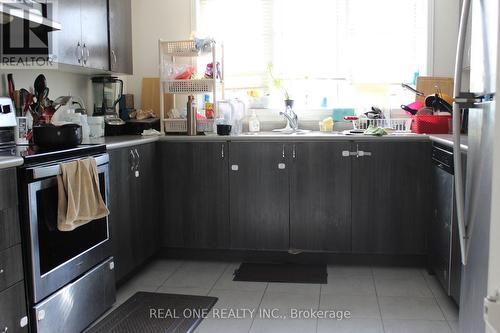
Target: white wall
[
  {"x": 152, "y": 20},
  {"x": 446, "y": 23}
]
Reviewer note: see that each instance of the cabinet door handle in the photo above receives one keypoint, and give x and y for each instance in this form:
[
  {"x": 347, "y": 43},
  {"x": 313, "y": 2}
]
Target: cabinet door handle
[
  {"x": 137, "y": 164},
  {"x": 79, "y": 53},
  {"x": 294, "y": 152},
  {"x": 283, "y": 151},
  {"x": 113, "y": 53},
  {"x": 1, "y": 270},
  {"x": 362, "y": 153},
  {"x": 132, "y": 160},
  {"x": 86, "y": 54},
  {"x": 222, "y": 151},
  {"x": 347, "y": 153},
  {"x": 23, "y": 322}
]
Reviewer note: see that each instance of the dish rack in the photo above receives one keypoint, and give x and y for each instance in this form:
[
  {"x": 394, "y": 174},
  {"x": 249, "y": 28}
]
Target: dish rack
[
  {"x": 169, "y": 51},
  {"x": 180, "y": 125},
  {"x": 395, "y": 124}
]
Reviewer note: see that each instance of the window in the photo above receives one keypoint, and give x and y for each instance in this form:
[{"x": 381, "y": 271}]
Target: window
[{"x": 322, "y": 49}]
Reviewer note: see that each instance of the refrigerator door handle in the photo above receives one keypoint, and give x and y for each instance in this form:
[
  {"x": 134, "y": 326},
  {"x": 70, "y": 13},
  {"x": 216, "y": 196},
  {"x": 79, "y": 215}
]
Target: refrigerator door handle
[{"x": 457, "y": 154}]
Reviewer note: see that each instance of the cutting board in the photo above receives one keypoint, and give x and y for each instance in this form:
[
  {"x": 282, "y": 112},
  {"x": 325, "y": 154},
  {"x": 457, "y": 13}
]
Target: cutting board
[
  {"x": 150, "y": 97},
  {"x": 428, "y": 84}
]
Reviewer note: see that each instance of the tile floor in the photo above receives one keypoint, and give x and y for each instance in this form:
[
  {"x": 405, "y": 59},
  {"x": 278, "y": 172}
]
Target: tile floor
[{"x": 390, "y": 300}]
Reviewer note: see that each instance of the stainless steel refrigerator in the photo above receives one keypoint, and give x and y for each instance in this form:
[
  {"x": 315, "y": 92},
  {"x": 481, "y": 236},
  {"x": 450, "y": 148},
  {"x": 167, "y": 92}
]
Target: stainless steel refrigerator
[{"x": 474, "y": 195}]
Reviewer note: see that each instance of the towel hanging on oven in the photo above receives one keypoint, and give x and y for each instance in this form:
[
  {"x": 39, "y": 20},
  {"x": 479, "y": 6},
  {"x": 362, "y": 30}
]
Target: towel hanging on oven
[{"x": 79, "y": 197}]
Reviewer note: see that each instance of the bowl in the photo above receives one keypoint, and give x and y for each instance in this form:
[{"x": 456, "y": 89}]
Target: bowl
[{"x": 224, "y": 129}]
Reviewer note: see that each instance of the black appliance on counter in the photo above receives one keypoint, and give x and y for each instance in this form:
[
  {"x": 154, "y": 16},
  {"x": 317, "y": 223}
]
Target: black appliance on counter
[
  {"x": 135, "y": 126},
  {"x": 69, "y": 275},
  {"x": 108, "y": 91}
]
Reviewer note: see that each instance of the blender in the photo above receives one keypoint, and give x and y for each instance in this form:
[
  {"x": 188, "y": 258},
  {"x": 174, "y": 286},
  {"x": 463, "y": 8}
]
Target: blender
[{"x": 108, "y": 91}]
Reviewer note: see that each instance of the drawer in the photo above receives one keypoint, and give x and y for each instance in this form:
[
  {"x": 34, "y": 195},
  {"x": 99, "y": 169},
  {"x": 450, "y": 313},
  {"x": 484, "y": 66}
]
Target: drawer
[
  {"x": 13, "y": 309},
  {"x": 11, "y": 267},
  {"x": 8, "y": 190},
  {"x": 9, "y": 228}
]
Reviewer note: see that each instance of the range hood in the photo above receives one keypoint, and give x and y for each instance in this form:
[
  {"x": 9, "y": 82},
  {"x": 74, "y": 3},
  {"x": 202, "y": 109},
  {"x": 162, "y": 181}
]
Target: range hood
[{"x": 16, "y": 10}]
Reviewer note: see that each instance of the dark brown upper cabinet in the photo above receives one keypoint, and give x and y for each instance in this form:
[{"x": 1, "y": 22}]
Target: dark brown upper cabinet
[{"x": 120, "y": 36}]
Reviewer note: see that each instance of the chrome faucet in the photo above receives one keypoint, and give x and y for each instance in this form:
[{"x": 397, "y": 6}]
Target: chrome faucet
[{"x": 291, "y": 117}]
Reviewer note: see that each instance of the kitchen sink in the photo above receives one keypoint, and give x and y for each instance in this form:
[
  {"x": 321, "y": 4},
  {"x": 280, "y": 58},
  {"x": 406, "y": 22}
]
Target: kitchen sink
[{"x": 292, "y": 133}]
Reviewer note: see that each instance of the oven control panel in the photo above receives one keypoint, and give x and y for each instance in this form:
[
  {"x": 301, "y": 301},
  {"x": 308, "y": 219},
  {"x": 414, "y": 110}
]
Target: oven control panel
[{"x": 7, "y": 113}]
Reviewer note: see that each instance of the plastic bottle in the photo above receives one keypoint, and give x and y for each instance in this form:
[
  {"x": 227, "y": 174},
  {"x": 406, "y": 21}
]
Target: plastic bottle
[
  {"x": 253, "y": 123},
  {"x": 209, "y": 108}
]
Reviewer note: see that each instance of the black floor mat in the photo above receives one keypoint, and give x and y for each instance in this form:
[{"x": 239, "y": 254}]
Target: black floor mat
[
  {"x": 290, "y": 273},
  {"x": 156, "y": 313}
]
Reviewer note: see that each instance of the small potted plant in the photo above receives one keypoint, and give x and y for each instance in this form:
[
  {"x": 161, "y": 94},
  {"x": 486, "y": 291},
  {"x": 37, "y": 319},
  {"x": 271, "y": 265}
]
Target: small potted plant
[{"x": 278, "y": 83}]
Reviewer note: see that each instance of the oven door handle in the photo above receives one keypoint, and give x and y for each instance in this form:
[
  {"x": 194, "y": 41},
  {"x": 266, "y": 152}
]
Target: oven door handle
[{"x": 54, "y": 170}]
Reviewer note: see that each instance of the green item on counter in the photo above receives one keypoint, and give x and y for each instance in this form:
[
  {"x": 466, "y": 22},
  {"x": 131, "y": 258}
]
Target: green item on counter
[{"x": 377, "y": 131}]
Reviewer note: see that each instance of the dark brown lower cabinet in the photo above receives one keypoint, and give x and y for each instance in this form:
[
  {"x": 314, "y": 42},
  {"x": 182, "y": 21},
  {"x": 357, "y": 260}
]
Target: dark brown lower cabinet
[
  {"x": 13, "y": 309},
  {"x": 391, "y": 197},
  {"x": 320, "y": 197},
  {"x": 259, "y": 195},
  {"x": 195, "y": 189},
  {"x": 133, "y": 207}
]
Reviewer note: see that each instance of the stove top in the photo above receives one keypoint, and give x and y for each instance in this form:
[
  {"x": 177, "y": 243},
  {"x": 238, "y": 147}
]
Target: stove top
[{"x": 35, "y": 155}]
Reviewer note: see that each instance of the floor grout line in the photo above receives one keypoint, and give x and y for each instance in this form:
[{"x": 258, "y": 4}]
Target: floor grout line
[
  {"x": 258, "y": 306},
  {"x": 319, "y": 302},
  {"x": 220, "y": 276},
  {"x": 378, "y": 301},
  {"x": 170, "y": 275}
]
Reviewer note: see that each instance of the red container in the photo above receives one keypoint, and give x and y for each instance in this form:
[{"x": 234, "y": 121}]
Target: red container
[{"x": 425, "y": 124}]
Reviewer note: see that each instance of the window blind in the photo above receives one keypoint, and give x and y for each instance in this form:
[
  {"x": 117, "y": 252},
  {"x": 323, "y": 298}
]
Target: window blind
[{"x": 361, "y": 41}]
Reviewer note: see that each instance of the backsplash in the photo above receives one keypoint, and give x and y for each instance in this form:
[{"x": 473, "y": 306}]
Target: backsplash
[{"x": 60, "y": 83}]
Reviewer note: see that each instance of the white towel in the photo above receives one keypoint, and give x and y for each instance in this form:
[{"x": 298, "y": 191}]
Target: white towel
[{"x": 80, "y": 200}]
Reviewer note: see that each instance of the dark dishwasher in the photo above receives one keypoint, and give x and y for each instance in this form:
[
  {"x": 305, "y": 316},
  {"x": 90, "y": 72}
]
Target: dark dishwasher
[{"x": 444, "y": 249}]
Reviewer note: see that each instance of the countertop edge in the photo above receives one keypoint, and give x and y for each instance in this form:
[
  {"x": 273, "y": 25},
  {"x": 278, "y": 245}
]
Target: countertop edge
[
  {"x": 10, "y": 162},
  {"x": 291, "y": 138},
  {"x": 124, "y": 142},
  {"x": 448, "y": 142}
]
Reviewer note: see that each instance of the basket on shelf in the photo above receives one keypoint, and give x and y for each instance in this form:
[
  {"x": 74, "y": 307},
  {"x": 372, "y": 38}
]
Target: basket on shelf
[
  {"x": 180, "y": 125},
  {"x": 191, "y": 87},
  {"x": 396, "y": 124},
  {"x": 430, "y": 124},
  {"x": 184, "y": 48}
]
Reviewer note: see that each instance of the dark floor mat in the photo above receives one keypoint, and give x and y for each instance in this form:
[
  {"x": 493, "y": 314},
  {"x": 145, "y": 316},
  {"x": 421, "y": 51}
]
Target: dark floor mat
[
  {"x": 290, "y": 273},
  {"x": 156, "y": 313}
]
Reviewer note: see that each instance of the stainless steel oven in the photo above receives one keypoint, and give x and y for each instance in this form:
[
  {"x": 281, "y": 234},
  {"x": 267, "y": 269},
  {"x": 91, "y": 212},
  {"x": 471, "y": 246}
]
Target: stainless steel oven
[{"x": 57, "y": 258}]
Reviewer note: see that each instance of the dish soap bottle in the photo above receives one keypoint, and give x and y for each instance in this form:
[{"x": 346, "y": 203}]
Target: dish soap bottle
[{"x": 253, "y": 123}]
